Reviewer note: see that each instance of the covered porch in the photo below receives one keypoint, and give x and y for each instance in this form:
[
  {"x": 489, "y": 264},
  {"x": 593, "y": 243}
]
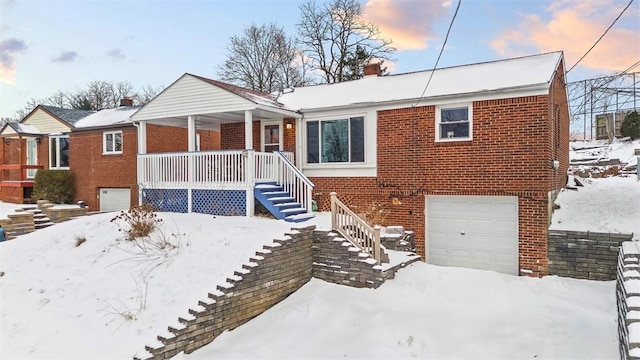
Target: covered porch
[
  {"x": 254, "y": 161},
  {"x": 19, "y": 162}
]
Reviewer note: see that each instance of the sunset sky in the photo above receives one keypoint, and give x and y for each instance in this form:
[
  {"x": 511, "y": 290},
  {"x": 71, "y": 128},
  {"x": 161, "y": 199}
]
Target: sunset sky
[{"x": 51, "y": 45}]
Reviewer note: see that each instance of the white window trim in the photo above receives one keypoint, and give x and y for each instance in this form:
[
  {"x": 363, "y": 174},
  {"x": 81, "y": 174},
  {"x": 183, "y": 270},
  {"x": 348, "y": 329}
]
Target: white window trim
[
  {"x": 264, "y": 123},
  {"x": 439, "y": 108},
  {"x": 104, "y": 142},
  {"x": 51, "y": 165},
  {"x": 334, "y": 165}
]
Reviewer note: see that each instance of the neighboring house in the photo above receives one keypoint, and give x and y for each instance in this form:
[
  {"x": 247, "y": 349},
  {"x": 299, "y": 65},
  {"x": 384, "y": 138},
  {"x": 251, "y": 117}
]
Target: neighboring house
[
  {"x": 608, "y": 125},
  {"x": 104, "y": 152},
  {"x": 39, "y": 141},
  {"x": 471, "y": 163}
]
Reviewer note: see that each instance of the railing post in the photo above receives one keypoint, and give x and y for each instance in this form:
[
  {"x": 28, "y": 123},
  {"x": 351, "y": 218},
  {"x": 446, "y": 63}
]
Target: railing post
[
  {"x": 376, "y": 245},
  {"x": 333, "y": 195},
  {"x": 249, "y": 179},
  {"x": 309, "y": 199}
]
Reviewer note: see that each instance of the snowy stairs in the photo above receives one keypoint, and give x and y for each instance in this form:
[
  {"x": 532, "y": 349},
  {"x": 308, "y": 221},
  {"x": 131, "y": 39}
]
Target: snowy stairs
[
  {"x": 40, "y": 219},
  {"x": 280, "y": 203}
]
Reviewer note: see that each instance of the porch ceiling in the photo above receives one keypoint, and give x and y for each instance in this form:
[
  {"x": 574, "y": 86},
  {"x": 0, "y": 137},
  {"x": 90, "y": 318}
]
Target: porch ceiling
[{"x": 213, "y": 121}]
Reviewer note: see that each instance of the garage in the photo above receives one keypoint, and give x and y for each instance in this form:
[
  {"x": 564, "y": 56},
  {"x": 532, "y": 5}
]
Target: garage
[
  {"x": 115, "y": 199},
  {"x": 478, "y": 232}
]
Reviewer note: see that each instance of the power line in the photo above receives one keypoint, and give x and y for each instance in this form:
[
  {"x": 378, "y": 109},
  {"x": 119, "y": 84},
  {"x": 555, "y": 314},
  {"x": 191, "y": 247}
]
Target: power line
[
  {"x": 603, "y": 34},
  {"x": 441, "y": 50}
]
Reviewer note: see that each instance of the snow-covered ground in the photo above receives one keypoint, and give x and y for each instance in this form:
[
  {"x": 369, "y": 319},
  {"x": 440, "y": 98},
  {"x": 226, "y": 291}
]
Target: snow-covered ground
[
  {"x": 62, "y": 301},
  {"x": 8, "y": 208},
  {"x": 108, "y": 297},
  {"x": 593, "y": 150},
  {"x": 432, "y": 312},
  {"x": 602, "y": 205},
  {"x": 610, "y": 204}
]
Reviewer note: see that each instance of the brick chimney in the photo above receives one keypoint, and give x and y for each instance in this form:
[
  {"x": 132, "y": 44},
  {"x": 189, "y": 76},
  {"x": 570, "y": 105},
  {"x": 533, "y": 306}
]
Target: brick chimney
[
  {"x": 372, "y": 69},
  {"x": 126, "y": 101}
]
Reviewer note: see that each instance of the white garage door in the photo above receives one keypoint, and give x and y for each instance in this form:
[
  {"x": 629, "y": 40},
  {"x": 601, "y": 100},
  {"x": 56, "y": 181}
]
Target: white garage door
[
  {"x": 478, "y": 232},
  {"x": 115, "y": 199}
]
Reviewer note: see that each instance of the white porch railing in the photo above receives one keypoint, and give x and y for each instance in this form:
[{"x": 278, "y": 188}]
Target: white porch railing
[
  {"x": 228, "y": 170},
  {"x": 195, "y": 170},
  {"x": 354, "y": 229},
  {"x": 293, "y": 181}
]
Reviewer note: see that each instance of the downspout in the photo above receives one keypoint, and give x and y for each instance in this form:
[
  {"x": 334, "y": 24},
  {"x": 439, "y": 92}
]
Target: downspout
[{"x": 136, "y": 124}]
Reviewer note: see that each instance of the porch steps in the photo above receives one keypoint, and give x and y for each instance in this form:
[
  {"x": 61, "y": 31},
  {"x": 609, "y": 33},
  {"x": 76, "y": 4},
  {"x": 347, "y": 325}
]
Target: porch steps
[{"x": 280, "y": 203}]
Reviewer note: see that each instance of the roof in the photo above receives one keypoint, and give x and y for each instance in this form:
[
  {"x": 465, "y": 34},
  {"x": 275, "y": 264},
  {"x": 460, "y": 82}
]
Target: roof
[
  {"x": 70, "y": 116},
  {"x": 22, "y": 129},
  {"x": 523, "y": 73},
  {"x": 254, "y": 96},
  {"x": 119, "y": 115}
]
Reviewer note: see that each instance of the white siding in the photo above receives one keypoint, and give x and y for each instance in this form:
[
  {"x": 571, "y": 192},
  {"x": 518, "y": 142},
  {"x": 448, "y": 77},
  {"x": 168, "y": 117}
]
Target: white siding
[
  {"x": 46, "y": 123},
  {"x": 191, "y": 96}
]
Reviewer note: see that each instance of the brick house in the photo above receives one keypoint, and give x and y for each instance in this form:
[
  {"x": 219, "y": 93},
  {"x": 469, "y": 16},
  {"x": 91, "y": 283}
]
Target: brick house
[
  {"x": 104, "y": 151},
  {"x": 472, "y": 163},
  {"x": 39, "y": 141}
]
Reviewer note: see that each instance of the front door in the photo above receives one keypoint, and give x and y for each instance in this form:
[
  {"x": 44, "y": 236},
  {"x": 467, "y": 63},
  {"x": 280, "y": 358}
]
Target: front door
[
  {"x": 271, "y": 136},
  {"x": 32, "y": 157}
]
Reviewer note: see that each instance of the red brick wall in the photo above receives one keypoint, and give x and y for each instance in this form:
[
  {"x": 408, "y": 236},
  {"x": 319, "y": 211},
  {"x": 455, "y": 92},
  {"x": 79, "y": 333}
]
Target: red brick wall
[
  {"x": 232, "y": 136},
  {"x": 510, "y": 155},
  {"x": 93, "y": 170}
]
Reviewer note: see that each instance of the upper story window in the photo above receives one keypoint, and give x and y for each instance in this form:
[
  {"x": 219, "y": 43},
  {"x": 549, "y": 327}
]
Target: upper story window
[
  {"x": 112, "y": 142},
  {"x": 335, "y": 141},
  {"x": 59, "y": 152},
  {"x": 454, "y": 122}
]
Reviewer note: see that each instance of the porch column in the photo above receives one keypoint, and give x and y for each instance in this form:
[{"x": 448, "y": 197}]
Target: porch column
[
  {"x": 191, "y": 130},
  {"x": 249, "y": 171},
  {"x": 142, "y": 137},
  {"x": 298, "y": 150},
  {"x": 248, "y": 129}
]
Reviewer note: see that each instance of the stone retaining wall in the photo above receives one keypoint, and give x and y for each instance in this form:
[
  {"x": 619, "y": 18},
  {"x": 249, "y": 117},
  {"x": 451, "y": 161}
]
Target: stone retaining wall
[
  {"x": 273, "y": 274},
  {"x": 628, "y": 300},
  {"x": 338, "y": 261},
  {"x": 584, "y": 255},
  {"x": 17, "y": 224},
  {"x": 270, "y": 276},
  {"x": 57, "y": 215}
]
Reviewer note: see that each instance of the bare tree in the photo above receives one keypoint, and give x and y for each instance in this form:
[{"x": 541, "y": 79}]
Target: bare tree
[
  {"x": 146, "y": 94},
  {"x": 263, "y": 58},
  {"x": 97, "y": 95},
  {"x": 335, "y": 36}
]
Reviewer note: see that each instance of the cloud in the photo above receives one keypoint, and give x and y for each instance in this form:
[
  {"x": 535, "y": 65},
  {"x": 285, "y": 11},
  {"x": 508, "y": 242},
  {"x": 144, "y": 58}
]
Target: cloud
[
  {"x": 8, "y": 50},
  {"x": 574, "y": 26},
  {"x": 407, "y": 23},
  {"x": 66, "y": 56},
  {"x": 116, "y": 54}
]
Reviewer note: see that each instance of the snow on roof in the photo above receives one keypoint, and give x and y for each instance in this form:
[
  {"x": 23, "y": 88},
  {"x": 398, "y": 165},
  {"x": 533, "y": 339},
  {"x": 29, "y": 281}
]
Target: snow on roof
[
  {"x": 108, "y": 117},
  {"x": 517, "y": 73},
  {"x": 24, "y": 128}
]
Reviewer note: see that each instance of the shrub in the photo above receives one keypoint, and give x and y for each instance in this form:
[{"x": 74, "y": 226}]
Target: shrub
[
  {"x": 139, "y": 221},
  {"x": 376, "y": 213},
  {"x": 57, "y": 186},
  {"x": 631, "y": 125}
]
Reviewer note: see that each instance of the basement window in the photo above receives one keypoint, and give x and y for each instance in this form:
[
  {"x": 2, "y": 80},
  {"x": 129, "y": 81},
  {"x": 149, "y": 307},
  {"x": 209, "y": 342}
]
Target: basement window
[
  {"x": 112, "y": 142},
  {"x": 454, "y": 122}
]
